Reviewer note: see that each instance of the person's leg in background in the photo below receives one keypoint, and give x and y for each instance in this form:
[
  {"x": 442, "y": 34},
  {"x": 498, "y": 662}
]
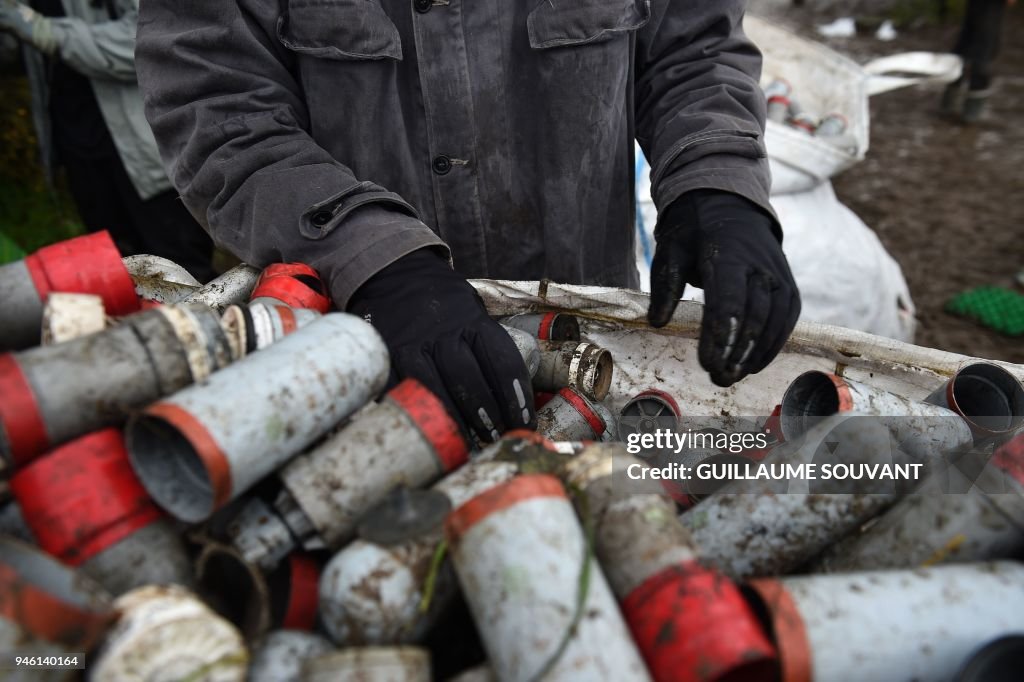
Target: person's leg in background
[{"x": 978, "y": 45}]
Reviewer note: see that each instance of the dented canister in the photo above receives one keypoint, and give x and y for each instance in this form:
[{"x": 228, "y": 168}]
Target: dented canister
[
  {"x": 545, "y": 326},
  {"x": 47, "y": 609},
  {"x": 370, "y": 664},
  {"x": 51, "y": 394},
  {"x": 957, "y": 515},
  {"x": 167, "y": 633},
  {"x": 689, "y": 622},
  {"x": 377, "y": 594},
  {"x": 86, "y": 507},
  {"x": 545, "y": 628},
  {"x": 890, "y": 625},
  {"x": 570, "y": 416},
  {"x": 159, "y": 280},
  {"x": 89, "y": 264},
  {"x": 280, "y": 655},
  {"x": 233, "y": 287},
  {"x": 204, "y": 446}
]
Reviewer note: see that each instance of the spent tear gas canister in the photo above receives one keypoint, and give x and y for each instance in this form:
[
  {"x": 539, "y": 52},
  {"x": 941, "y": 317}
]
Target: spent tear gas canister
[
  {"x": 86, "y": 507},
  {"x": 957, "y": 515},
  {"x": 373, "y": 593},
  {"x": 296, "y": 285},
  {"x": 370, "y": 664},
  {"x": 51, "y": 394},
  {"x": 407, "y": 439},
  {"x": 890, "y": 625},
  {"x": 89, "y": 264},
  {"x": 167, "y": 633},
  {"x": 561, "y": 621},
  {"x": 233, "y": 287},
  {"x": 920, "y": 428},
  {"x": 255, "y": 326},
  {"x": 202, "y": 447},
  {"x": 583, "y": 367},
  {"x": 546, "y": 326},
  {"x": 755, "y": 526},
  {"x": 689, "y": 622},
  {"x": 235, "y": 588},
  {"x": 159, "y": 280},
  {"x": 295, "y": 593},
  {"x": 989, "y": 398},
  {"x": 261, "y": 534},
  {"x": 279, "y": 656},
  {"x": 1000, "y": 660},
  {"x": 254, "y": 600},
  {"x": 800, "y": 119},
  {"x": 777, "y": 95},
  {"x": 571, "y": 416},
  {"x": 832, "y": 125},
  {"x": 69, "y": 316},
  {"x": 47, "y": 608},
  {"x": 527, "y": 347}
]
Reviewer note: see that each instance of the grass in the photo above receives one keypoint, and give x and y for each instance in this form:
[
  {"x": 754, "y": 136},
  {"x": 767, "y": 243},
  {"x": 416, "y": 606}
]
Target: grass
[{"x": 31, "y": 213}]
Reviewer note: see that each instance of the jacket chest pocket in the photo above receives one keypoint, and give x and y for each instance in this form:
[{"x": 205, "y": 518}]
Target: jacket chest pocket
[
  {"x": 558, "y": 23},
  {"x": 339, "y": 29}
]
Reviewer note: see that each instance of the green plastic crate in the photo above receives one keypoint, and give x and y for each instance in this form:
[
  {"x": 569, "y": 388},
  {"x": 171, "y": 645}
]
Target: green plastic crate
[{"x": 992, "y": 307}]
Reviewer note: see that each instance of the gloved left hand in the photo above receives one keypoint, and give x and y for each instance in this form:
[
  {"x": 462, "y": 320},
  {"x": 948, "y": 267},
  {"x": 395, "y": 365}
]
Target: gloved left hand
[
  {"x": 727, "y": 245},
  {"x": 27, "y": 25}
]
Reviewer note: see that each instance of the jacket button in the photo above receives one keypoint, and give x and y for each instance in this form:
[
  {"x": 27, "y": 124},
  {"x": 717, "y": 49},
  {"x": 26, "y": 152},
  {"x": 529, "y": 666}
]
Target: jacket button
[
  {"x": 321, "y": 218},
  {"x": 441, "y": 164},
  {"x": 422, "y": 6}
]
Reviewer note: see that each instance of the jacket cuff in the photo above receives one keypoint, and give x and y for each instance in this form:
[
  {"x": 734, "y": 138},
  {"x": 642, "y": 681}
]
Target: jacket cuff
[
  {"x": 373, "y": 238},
  {"x": 724, "y": 172}
]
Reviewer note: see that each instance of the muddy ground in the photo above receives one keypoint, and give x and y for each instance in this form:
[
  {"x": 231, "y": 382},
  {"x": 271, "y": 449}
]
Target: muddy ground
[{"x": 947, "y": 200}]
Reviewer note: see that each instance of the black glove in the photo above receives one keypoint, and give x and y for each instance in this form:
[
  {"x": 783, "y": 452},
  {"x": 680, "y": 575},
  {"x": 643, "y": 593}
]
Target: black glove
[
  {"x": 725, "y": 244},
  {"x": 438, "y": 332}
]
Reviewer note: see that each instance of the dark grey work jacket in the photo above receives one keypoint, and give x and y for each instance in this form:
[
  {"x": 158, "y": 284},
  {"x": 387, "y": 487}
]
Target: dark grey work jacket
[{"x": 501, "y": 128}]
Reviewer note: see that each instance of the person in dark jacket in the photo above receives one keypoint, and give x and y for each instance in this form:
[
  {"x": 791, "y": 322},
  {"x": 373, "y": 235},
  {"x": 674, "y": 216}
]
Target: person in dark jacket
[
  {"x": 385, "y": 141},
  {"x": 79, "y": 55},
  {"x": 978, "y": 45}
]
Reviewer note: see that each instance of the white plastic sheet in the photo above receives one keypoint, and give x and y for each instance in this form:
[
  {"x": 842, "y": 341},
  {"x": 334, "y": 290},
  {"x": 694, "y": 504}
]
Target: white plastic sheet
[{"x": 667, "y": 358}]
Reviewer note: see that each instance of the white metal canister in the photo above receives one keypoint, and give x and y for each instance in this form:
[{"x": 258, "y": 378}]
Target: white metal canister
[
  {"x": 891, "y": 626},
  {"x": 522, "y": 560},
  {"x": 204, "y": 446}
]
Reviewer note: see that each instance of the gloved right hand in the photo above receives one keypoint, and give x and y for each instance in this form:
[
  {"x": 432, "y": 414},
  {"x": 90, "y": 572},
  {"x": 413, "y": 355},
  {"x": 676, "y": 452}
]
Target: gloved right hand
[
  {"x": 27, "y": 25},
  {"x": 438, "y": 332}
]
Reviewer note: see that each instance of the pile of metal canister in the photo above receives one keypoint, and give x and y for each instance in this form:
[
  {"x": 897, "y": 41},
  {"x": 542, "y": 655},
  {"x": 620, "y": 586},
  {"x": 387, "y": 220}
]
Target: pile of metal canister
[
  {"x": 784, "y": 108},
  {"x": 214, "y": 482}
]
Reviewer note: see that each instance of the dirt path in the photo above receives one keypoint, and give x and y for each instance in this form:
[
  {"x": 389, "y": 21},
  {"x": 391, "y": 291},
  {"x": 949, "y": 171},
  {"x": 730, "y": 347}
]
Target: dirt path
[{"x": 947, "y": 200}]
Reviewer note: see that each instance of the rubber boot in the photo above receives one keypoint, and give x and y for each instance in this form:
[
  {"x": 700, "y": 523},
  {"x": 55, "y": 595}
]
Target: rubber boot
[
  {"x": 953, "y": 97},
  {"x": 975, "y": 104}
]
